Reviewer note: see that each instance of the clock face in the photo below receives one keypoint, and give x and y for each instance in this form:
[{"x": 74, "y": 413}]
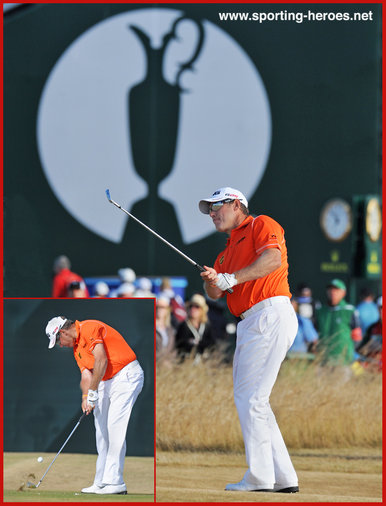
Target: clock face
[
  {"x": 336, "y": 219},
  {"x": 373, "y": 219}
]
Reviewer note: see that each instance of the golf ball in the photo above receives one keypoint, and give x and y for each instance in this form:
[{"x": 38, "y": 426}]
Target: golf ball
[{"x": 40, "y": 459}]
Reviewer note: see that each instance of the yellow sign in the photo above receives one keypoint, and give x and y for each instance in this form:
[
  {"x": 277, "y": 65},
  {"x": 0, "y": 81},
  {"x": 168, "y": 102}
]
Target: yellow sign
[{"x": 334, "y": 265}]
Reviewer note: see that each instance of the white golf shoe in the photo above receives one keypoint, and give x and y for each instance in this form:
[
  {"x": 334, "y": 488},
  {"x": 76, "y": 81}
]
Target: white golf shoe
[
  {"x": 91, "y": 490},
  {"x": 243, "y": 486},
  {"x": 112, "y": 489}
]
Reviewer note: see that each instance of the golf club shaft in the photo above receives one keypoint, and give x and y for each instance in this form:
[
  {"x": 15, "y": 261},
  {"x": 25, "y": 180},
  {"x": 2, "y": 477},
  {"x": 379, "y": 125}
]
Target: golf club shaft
[
  {"x": 64, "y": 444},
  {"x": 199, "y": 267}
]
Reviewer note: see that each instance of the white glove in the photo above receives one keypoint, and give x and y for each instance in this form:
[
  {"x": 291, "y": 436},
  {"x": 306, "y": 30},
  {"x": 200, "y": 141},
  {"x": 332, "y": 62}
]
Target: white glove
[
  {"x": 226, "y": 281},
  {"x": 92, "y": 397}
]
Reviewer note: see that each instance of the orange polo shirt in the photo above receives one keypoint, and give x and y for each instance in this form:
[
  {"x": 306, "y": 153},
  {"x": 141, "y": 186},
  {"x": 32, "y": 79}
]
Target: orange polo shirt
[
  {"x": 245, "y": 244},
  {"x": 92, "y": 332}
]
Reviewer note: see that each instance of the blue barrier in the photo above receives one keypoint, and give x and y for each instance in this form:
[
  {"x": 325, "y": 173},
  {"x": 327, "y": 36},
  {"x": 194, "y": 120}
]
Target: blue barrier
[{"x": 178, "y": 283}]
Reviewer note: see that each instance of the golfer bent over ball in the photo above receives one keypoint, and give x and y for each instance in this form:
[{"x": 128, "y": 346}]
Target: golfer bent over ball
[
  {"x": 111, "y": 379},
  {"x": 254, "y": 265}
]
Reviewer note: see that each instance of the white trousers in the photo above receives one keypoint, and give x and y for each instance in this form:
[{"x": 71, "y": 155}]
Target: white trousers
[
  {"x": 111, "y": 417},
  {"x": 263, "y": 340}
]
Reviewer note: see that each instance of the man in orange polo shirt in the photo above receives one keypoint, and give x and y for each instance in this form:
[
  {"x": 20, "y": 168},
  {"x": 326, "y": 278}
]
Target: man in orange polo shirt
[
  {"x": 254, "y": 266},
  {"x": 111, "y": 380}
]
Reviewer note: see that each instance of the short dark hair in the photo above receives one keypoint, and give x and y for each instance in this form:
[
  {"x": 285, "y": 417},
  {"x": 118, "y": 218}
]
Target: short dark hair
[
  {"x": 244, "y": 209},
  {"x": 67, "y": 324},
  {"x": 366, "y": 292}
]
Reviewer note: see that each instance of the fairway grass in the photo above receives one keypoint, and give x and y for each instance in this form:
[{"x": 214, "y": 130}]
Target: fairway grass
[
  {"x": 339, "y": 475},
  {"x": 68, "y": 475},
  {"x": 50, "y": 496}
]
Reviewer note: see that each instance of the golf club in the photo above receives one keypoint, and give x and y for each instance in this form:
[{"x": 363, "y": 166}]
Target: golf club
[
  {"x": 31, "y": 485},
  {"x": 199, "y": 267}
]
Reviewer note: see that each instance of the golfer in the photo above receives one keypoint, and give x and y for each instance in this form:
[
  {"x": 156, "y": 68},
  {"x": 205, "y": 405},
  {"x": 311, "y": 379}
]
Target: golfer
[
  {"x": 254, "y": 265},
  {"x": 111, "y": 379}
]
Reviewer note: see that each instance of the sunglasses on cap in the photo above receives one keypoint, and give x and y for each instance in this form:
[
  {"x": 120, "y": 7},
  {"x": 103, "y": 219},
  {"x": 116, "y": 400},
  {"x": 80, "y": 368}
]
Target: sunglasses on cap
[
  {"x": 215, "y": 206},
  {"x": 195, "y": 305}
]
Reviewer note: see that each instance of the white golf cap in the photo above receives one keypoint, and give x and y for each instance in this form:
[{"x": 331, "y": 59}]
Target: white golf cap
[
  {"x": 222, "y": 194},
  {"x": 53, "y": 327}
]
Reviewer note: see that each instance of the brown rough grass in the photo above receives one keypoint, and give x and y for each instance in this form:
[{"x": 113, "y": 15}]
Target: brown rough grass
[{"x": 315, "y": 407}]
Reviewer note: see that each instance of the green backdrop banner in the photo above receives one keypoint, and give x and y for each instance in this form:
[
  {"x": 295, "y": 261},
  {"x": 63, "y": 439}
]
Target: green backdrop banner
[
  {"x": 100, "y": 96},
  {"x": 42, "y": 398}
]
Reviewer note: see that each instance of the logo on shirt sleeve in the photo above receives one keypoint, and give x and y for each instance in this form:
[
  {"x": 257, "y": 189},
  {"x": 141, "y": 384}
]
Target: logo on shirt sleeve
[{"x": 221, "y": 260}]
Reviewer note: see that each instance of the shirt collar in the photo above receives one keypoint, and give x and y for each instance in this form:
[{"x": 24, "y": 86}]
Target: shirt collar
[{"x": 242, "y": 225}]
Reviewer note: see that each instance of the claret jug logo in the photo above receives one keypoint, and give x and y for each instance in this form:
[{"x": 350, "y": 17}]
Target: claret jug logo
[{"x": 161, "y": 108}]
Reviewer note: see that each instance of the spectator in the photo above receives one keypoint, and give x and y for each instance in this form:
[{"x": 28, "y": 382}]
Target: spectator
[
  {"x": 77, "y": 290},
  {"x": 338, "y": 326},
  {"x": 194, "y": 335},
  {"x": 368, "y": 309},
  {"x": 165, "y": 333},
  {"x": 305, "y": 301},
  {"x": 176, "y": 302},
  {"x": 63, "y": 277},
  {"x": 125, "y": 290},
  {"x": 217, "y": 318},
  {"x": 101, "y": 289},
  {"x": 306, "y": 336},
  {"x": 370, "y": 349},
  {"x": 126, "y": 275},
  {"x": 144, "y": 288}
]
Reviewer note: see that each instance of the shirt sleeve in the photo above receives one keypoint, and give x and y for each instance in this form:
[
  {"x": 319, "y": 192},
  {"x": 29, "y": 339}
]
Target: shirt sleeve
[
  {"x": 96, "y": 336},
  {"x": 267, "y": 233},
  {"x": 310, "y": 333}
]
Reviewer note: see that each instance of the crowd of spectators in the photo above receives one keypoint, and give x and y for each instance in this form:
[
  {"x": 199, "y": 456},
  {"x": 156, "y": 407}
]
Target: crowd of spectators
[
  {"x": 336, "y": 334},
  {"x": 339, "y": 334}
]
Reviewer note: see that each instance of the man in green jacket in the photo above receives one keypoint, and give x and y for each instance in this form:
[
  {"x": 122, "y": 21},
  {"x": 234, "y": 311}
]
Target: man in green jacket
[{"x": 338, "y": 326}]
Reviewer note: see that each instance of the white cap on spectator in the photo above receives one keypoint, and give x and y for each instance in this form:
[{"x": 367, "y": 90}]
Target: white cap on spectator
[
  {"x": 145, "y": 284},
  {"x": 126, "y": 289},
  {"x": 102, "y": 288},
  {"x": 127, "y": 275}
]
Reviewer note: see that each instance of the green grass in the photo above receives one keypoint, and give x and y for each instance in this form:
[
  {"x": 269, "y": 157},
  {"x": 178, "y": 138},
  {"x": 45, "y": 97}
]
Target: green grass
[
  {"x": 67, "y": 477},
  {"x": 31, "y": 495}
]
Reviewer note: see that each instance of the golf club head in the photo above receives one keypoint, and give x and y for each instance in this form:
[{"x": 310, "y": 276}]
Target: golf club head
[
  {"x": 31, "y": 485},
  {"x": 108, "y": 195}
]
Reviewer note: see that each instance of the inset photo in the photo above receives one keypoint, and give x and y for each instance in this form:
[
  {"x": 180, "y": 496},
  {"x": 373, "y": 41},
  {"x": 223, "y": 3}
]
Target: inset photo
[{"x": 79, "y": 400}]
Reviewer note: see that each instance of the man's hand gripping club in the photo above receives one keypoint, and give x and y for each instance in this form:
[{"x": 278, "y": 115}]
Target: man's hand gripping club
[
  {"x": 216, "y": 284},
  {"x": 90, "y": 380}
]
